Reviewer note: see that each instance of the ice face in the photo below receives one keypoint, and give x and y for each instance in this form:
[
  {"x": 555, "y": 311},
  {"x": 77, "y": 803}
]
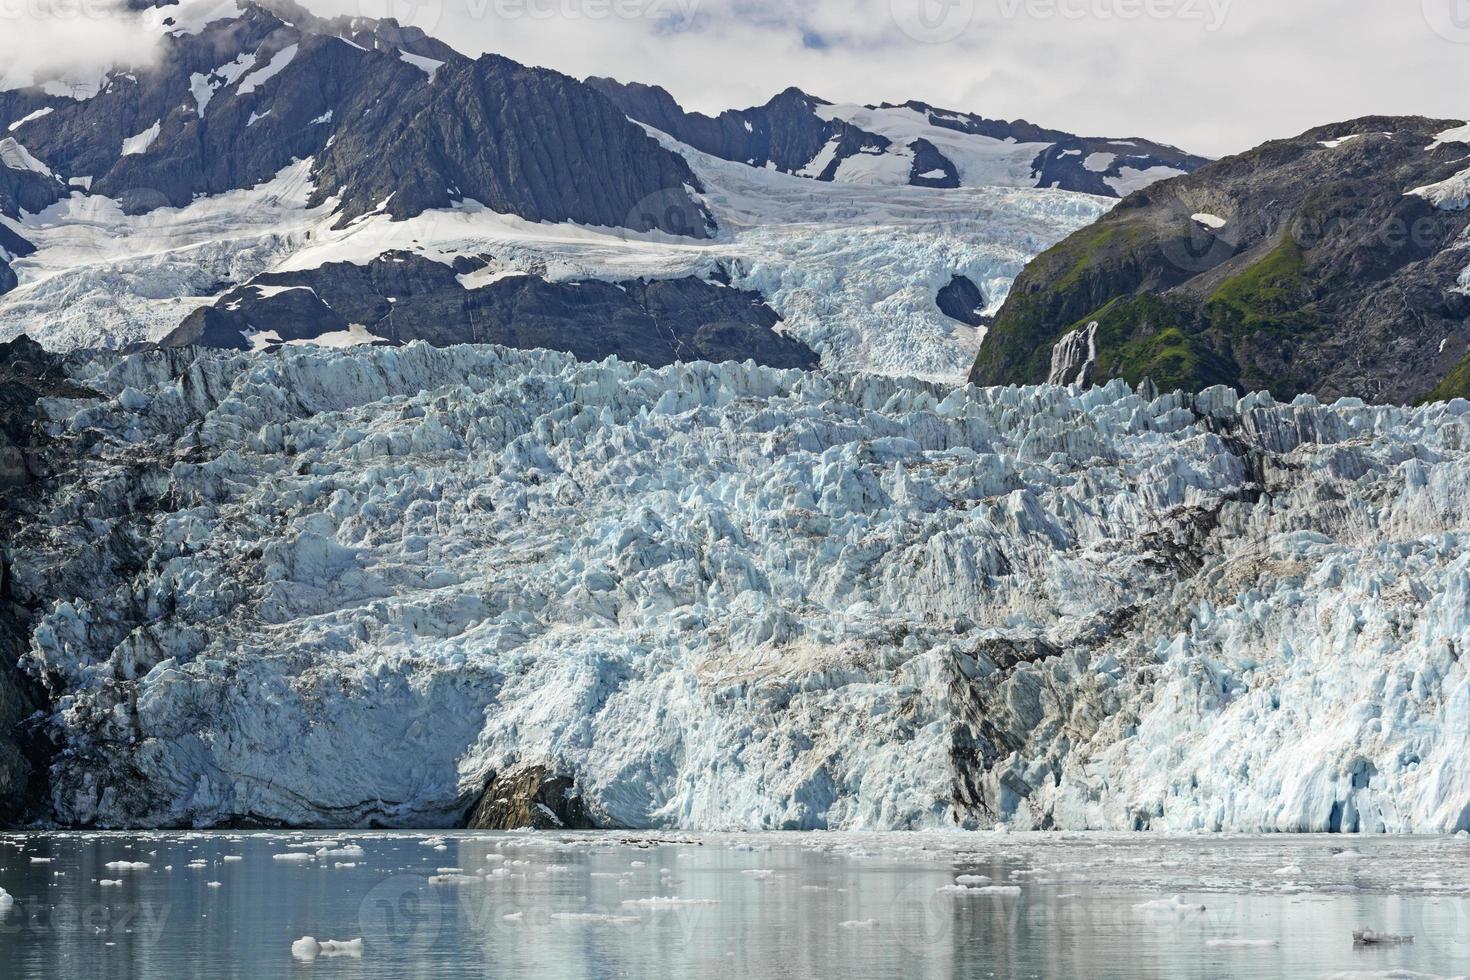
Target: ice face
[{"x": 332, "y": 587}]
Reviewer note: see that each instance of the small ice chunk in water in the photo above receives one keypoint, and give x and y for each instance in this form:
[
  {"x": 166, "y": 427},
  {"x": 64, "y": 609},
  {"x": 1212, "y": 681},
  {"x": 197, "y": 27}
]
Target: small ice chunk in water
[
  {"x": 972, "y": 880},
  {"x": 126, "y": 865},
  {"x": 40, "y": 860},
  {"x": 1241, "y": 943},
  {"x": 670, "y": 902},
  {"x": 979, "y": 889},
  {"x": 1289, "y": 870},
  {"x": 6, "y": 901},
  {"x": 110, "y": 882},
  {"x": 234, "y": 857},
  {"x": 307, "y": 948},
  {"x": 859, "y": 924},
  {"x": 598, "y": 918},
  {"x": 291, "y": 856},
  {"x": 1177, "y": 904},
  {"x": 342, "y": 947},
  {"x": 1368, "y": 937},
  {"x": 212, "y": 884}
]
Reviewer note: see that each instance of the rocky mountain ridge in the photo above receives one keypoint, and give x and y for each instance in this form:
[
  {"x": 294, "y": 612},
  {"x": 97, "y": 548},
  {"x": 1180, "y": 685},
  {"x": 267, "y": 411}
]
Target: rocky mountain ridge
[
  {"x": 1334, "y": 263},
  {"x": 911, "y": 144}
]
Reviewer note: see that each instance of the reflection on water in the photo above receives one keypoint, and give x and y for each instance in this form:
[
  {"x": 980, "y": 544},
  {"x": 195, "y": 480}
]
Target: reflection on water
[{"x": 602, "y": 905}]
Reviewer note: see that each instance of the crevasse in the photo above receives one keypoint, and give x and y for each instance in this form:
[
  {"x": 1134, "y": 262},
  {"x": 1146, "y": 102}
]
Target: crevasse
[{"x": 346, "y": 587}]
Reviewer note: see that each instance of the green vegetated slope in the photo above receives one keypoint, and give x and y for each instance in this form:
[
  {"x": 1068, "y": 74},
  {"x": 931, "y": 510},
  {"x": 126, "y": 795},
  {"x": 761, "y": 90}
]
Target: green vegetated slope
[{"x": 1314, "y": 264}]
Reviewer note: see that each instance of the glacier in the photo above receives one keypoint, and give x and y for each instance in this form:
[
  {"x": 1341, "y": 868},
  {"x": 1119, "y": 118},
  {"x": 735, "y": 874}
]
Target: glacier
[
  {"x": 349, "y": 587},
  {"x": 853, "y": 270}
]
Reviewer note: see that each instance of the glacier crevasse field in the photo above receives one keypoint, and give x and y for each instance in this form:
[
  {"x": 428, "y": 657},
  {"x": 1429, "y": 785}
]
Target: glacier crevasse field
[{"x": 343, "y": 588}]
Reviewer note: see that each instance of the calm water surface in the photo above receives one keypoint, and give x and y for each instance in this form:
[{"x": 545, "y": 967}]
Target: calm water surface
[{"x": 836, "y": 905}]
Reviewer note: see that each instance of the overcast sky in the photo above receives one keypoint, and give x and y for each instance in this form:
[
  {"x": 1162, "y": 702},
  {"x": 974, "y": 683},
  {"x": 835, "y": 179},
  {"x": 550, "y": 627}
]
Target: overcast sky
[{"x": 1213, "y": 76}]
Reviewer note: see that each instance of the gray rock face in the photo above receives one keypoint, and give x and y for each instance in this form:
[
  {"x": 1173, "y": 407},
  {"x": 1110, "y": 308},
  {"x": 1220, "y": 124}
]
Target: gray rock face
[
  {"x": 229, "y": 107},
  {"x": 402, "y": 297},
  {"x": 521, "y": 140},
  {"x": 530, "y": 798},
  {"x": 788, "y": 134},
  {"x": 21, "y": 188},
  {"x": 962, "y": 300},
  {"x": 27, "y": 374},
  {"x": 785, "y": 133},
  {"x": 1072, "y": 163}
]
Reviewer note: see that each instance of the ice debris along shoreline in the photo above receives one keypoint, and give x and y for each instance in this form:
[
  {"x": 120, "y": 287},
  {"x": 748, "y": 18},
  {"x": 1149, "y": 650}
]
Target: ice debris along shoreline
[{"x": 349, "y": 587}]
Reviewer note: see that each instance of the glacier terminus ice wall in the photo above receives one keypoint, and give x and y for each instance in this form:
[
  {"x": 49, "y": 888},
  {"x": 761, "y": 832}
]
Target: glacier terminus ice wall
[{"x": 352, "y": 587}]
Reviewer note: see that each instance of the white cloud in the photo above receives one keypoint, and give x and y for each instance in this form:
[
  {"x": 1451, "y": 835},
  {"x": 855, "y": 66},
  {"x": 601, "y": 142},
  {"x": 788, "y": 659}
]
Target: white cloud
[
  {"x": 72, "y": 39},
  {"x": 1213, "y": 76}
]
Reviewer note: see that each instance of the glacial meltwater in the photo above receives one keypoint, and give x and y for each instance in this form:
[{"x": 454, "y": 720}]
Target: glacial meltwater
[{"x": 401, "y": 905}]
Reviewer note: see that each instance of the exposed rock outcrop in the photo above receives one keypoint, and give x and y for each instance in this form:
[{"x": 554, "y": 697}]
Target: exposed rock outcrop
[
  {"x": 402, "y": 297},
  {"x": 396, "y": 122},
  {"x": 27, "y": 374},
  {"x": 962, "y": 300},
  {"x": 797, "y": 133},
  {"x": 529, "y": 798}
]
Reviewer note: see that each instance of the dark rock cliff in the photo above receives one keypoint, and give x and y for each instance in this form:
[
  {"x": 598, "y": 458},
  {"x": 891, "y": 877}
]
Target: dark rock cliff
[
  {"x": 396, "y": 122},
  {"x": 401, "y": 297}
]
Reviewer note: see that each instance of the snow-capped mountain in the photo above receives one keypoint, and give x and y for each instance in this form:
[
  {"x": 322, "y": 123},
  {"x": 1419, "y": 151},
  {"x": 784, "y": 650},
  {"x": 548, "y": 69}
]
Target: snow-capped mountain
[
  {"x": 220, "y": 194},
  {"x": 340, "y": 588},
  {"x": 911, "y": 144}
]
